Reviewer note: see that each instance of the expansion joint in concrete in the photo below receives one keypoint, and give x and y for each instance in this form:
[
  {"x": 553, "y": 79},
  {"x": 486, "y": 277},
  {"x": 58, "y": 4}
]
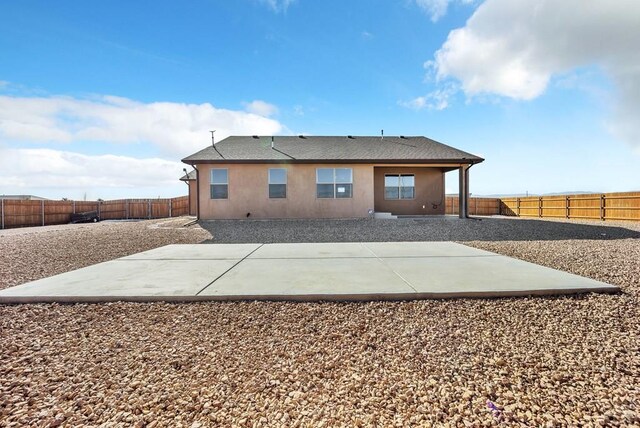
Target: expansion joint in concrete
[{"x": 228, "y": 270}]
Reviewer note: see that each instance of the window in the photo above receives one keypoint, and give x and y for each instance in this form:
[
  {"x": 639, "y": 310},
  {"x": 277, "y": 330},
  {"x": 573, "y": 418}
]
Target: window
[
  {"x": 219, "y": 183},
  {"x": 399, "y": 186},
  {"x": 334, "y": 183},
  {"x": 277, "y": 183}
]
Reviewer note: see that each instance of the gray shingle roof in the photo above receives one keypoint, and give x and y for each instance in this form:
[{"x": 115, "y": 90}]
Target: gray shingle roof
[{"x": 327, "y": 149}]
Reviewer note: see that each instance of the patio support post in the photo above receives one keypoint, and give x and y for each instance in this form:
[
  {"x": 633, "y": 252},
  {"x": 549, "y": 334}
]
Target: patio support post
[{"x": 463, "y": 197}]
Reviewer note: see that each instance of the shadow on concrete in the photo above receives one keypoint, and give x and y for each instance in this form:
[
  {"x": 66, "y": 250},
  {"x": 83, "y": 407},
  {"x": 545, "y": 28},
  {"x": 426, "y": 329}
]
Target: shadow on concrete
[{"x": 408, "y": 229}]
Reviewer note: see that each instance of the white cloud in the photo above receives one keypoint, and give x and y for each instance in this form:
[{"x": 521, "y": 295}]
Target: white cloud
[
  {"x": 261, "y": 108},
  {"x": 278, "y": 5},
  {"x": 55, "y": 173},
  {"x": 435, "y": 100},
  {"x": 436, "y": 9},
  {"x": 513, "y": 48},
  {"x": 177, "y": 129}
]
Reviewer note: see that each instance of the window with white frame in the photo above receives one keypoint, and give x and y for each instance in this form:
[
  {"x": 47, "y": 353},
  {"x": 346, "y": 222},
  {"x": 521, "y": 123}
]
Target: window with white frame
[
  {"x": 399, "y": 186},
  {"x": 277, "y": 183},
  {"x": 334, "y": 183},
  {"x": 219, "y": 183}
]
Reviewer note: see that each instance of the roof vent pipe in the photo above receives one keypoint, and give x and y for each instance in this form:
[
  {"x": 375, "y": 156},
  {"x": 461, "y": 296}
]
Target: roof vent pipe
[
  {"x": 382, "y": 134},
  {"x": 272, "y": 142},
  {"x": 213, "y": 144}
]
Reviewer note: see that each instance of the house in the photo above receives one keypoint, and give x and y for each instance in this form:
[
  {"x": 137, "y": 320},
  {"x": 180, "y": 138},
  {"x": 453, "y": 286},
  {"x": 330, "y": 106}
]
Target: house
[
  {"x": 326, "y": 177},
  {"x": 190, "y": 179},
  {"x": 23, "y": 197}
]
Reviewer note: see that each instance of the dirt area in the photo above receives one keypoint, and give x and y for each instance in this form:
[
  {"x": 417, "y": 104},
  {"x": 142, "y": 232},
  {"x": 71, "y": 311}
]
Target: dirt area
[{"x": 567, "y": 361}]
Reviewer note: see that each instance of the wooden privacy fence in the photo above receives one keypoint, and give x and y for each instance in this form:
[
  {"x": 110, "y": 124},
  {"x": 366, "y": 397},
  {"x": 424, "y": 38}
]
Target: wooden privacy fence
[
  {"x": 599, "y": 206},
  {"x": 477, "y": 206},
  {"x": 20, "y": 213}
]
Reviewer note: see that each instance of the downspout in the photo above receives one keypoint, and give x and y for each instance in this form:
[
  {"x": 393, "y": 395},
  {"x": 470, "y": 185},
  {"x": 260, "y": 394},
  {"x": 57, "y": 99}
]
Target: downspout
[
  {"x": 188, "y": 192},
  {"x": 197, "y": 192}
]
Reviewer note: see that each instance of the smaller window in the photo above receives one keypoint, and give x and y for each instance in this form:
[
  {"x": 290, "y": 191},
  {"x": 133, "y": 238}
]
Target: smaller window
[
  {"x": 219, "y": 183},
  {"x": 399, "y": 186},
  {"x": 277, "y": 183}
]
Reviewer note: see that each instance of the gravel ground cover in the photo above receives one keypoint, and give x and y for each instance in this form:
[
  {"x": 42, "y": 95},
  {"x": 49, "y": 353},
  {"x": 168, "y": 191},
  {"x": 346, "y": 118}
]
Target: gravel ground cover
[
  {"x": 27, "y": 254},
  {"x": 430, "y": 229},
  {"x": 567, "y": 361}
]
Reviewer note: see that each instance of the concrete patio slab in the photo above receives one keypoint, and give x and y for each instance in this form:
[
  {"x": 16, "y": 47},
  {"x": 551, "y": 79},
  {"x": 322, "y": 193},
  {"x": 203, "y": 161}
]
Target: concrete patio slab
[
  {"x": 303, "y": 278},
  {"x": 418, "y": 249},
  {"x": 323, "y": 271},
  {"x": 487, "y": 276},
  {"x": 196, "y": 252},
  {"x": 142, "y": 278},
  {"x": 312, "y": 251}
]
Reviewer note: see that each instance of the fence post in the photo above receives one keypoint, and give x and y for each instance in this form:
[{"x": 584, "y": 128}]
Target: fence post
[
  {"x": 149, "y": 208},
  {"x": 126, "y": 208},
  {"x": 42, "y": 208},
  {"x": 170, "y": 202},
  {"x": 518, "y": 207},
  {"x": 2, "y": 211},
  {"x": 540, "y": 206},
  {"x": 74, "y": 206},
  {"x": 99, "y": 213},
  {"x": 602, "y": 207},
  {"x": 476, "y": 207},
  {"x": 566, "y": 206}
]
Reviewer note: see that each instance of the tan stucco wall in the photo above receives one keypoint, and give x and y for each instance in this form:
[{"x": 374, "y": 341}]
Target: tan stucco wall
[
  {"x": 193, "y": 197},
  {"x": 429, "y": 190},
  {"x": 249, "y": 193}
]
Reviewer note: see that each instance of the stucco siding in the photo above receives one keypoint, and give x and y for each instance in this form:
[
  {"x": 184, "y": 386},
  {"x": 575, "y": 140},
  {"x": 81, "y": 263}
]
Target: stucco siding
[
  {"x": 249, "y": 193},
  {"x": 429, "y": 192},
  {"x": 193, "y": 197}
]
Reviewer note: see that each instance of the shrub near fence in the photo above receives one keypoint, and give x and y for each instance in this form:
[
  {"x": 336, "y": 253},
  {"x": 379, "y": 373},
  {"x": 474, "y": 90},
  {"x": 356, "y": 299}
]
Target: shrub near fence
[{"x": 21, "y": 213}]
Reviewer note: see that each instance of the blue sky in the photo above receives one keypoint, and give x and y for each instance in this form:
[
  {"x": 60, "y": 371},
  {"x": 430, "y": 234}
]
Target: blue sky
[{"x": 105, "y": 98}]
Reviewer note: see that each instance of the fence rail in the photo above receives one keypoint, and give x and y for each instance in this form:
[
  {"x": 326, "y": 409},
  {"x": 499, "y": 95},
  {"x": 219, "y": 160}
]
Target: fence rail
[
  {"x": 21, "y": 213},
  {"x": 598, "y": 206},
  {"x": 601, "y": 206},
  {"x": 477, "y": 206}
]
